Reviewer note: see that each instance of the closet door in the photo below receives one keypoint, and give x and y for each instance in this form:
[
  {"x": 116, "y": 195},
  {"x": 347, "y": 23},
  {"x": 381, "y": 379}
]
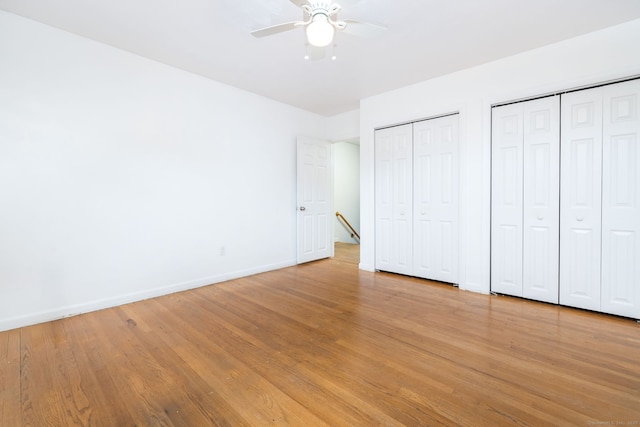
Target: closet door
[
  {"x": 541, "y": 198},
  {"x": 435, "y": 214},
  {"x": 525, "y": 199},
  {"x": 394, "y": 199},
  {"x": 507, "y": 199},
  {"x": 580, "y": 198},
  {"x": 621, "y": 199}
]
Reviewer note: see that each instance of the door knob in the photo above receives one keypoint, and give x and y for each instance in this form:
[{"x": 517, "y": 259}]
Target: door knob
[
  {"x": 579, "y": 218},
  {"x": 302, "y": 208}
]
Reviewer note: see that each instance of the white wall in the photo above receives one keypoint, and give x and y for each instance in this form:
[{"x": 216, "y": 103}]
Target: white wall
[
  {"x": 122, "y": 178},
  {"x": 346, "y": 189},
  {"x": 596, "y": 57},
  {"x": 344, "y": 127}
]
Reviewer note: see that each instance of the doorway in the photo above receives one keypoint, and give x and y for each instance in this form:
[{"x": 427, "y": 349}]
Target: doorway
[{"x": 346, "y": 193}]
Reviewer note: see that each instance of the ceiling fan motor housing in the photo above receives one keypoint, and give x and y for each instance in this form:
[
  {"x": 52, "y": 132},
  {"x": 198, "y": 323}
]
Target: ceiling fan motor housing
[{"x": 325, "y": 8}]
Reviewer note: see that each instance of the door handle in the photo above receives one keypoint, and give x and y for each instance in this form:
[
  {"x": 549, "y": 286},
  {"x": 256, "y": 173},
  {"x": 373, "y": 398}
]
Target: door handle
[{"x": 302, "y": 208}]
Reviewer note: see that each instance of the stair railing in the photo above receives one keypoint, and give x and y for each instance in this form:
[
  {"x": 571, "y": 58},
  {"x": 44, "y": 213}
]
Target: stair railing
[{"x": 344, "y": 221}]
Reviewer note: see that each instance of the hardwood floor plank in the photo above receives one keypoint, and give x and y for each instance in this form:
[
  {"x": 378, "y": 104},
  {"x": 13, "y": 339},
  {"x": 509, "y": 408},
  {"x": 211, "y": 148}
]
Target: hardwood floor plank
[
  {"x": 72, "y": 402},
  {"x": 214, "y": 371},
  {"x": 108, "y": 404},
  {"x": 10, "y": 414},
  {"x": 324, "y": 343},
  {"x": 339, "y": 364},
  {"x": 43, "y": 402},
  {"x": 279, "y": 368},
  {"x": 145, "y": 388},
  {"x": 396, "y": 377}
]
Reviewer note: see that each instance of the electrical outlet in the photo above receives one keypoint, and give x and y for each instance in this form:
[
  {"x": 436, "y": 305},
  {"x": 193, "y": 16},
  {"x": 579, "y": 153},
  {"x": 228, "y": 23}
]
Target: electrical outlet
[{"x": 223, "y": 250}]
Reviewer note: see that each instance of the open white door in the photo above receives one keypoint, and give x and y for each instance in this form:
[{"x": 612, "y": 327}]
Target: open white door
[{"x": 314, "y": 200}]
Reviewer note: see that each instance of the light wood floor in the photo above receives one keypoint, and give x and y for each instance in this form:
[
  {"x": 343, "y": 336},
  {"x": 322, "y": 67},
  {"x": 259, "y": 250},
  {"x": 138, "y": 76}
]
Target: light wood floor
[{"x": 324, "y": 344}]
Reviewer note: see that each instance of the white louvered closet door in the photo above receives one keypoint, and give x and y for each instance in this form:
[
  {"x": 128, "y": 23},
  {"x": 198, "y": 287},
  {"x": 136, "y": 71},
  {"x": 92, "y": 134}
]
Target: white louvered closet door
[
  {"x": 506, "y": 199},
  {"x": 580, "y": 198},
  {"x": 435, "y": 248},
  {"x": 621, "y": 200},
  {"x": 394, "y": 199},
  {"x": 541, "y": 199}
]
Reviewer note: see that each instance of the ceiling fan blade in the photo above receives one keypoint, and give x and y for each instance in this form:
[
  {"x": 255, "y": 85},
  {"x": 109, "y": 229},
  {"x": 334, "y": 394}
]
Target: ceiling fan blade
[
  {"x": 299, "y": 3},
  {"x": 363, "y": 29},
  {"x": 275, "y": 29}
]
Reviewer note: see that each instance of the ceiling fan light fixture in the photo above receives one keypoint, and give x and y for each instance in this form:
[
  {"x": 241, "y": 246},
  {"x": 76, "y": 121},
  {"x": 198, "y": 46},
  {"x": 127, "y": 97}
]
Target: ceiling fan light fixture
[{"x": 320, "y": 31}]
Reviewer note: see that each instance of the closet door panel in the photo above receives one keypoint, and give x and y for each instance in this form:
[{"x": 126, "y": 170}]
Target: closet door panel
[
  {"x": 620, "y": 200},
  {"x": 394, "y": 199},
  {"x": 507, "y": 199},
  {"x": 541, "y": 199},
  {"x": 425, "y": 176},
  {"x": 402, "y": 202},
  {"x": 447, "y": 249},
  {"x": 436, "y": 198},
  {"x": 383, "y": 202},
  {"x": 580, "y": 195}
]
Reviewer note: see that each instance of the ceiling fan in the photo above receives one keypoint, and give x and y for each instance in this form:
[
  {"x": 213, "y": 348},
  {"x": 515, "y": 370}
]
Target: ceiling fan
[{"x": 321, "y": 21}]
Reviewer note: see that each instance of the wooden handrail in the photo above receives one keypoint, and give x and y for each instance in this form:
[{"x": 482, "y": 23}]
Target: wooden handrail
[{"x": 353, "y": 230}]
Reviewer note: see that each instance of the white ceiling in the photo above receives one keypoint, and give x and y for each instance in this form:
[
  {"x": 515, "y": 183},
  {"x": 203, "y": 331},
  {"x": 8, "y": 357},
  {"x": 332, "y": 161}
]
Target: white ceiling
[{"x": 425, "y": 39}]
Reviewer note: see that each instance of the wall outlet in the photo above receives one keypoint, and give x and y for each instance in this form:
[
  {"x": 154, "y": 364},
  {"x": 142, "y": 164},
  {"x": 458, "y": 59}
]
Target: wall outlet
[{"x": 223, "y": 250}]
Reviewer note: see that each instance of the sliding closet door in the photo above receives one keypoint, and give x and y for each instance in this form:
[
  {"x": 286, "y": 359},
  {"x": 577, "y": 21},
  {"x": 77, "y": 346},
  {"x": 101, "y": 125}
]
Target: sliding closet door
[
  {"x": 394, "y": 199},
  {"x": 435, "y": 214},
  {"x": 621, "y": 199},
  {"x": 580, "y": 199},
  {"x": 506, "y": 199},
  {"x": 541, "y": 215}
]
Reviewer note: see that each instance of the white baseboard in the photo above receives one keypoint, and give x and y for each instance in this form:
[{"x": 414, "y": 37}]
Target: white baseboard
[{"x": 89, "y": 306}]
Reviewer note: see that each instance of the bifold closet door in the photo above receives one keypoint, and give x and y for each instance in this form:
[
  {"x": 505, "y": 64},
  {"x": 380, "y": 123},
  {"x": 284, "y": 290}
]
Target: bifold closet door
[
  {"x": 435, "y": 247},
  {"x": 541, "y": 205},
  {"x": 525, "y": 199},
  {"x": 507, "y": 164},
  {"x": 394, "y": 199},
  {"x": 580, "y": 198},
  {"x": 598, "y": 211},
  {"x": 620, "y": 199}
]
